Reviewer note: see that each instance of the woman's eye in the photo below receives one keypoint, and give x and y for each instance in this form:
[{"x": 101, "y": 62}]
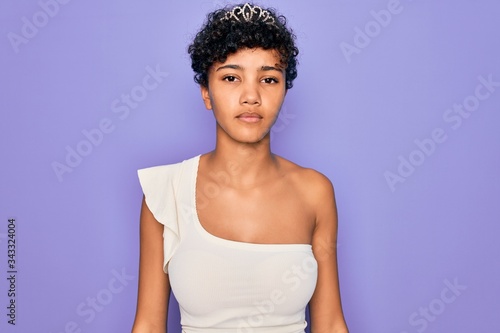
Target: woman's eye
[
  {"x": 270, "y": 80},
  {"x": 229, "y": 78}
]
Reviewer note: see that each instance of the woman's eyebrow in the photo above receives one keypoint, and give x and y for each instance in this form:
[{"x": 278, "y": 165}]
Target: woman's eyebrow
[
  {"x": 271, "y": 68},
  {"x": 238, "y": 67},
  {"x": 229, "y": 66}
]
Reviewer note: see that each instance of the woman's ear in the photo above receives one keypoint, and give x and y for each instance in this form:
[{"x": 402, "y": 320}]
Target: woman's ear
[{"x": 205, "y": 95}]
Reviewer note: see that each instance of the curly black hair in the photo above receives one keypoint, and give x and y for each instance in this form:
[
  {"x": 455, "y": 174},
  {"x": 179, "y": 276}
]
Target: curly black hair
[{"x": 221, "y": 36}]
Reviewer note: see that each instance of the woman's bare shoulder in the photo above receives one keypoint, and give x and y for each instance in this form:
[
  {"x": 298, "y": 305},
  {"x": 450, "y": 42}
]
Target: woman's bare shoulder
[{"x": 307, "y": 180}]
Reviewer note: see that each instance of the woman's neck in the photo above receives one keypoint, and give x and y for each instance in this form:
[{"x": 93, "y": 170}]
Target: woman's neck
[{"x": 245, "y": 164}]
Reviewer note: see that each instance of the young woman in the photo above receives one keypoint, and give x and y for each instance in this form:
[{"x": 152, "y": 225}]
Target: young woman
[{"x": 244, "y": 238}]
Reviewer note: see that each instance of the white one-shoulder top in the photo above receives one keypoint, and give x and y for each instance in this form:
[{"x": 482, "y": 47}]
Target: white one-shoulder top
[{"x": 223, "y": 285}]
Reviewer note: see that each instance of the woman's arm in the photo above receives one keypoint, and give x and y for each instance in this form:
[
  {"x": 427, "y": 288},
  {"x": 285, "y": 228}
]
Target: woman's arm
[
  {"x": 154, "y": 285},
  {"x": 325, "y": 305}
]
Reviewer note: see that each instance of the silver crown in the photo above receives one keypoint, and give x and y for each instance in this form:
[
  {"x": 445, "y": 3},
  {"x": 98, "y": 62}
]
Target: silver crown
[{"x": 249, "y": 13}]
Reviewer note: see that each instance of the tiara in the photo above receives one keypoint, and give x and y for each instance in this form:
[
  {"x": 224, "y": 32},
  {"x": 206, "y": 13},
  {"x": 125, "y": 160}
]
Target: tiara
[{"x": 249, "y": 13}]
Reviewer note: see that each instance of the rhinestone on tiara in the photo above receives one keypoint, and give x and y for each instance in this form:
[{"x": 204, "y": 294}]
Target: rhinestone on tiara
[{"x": 249, "y": 13}]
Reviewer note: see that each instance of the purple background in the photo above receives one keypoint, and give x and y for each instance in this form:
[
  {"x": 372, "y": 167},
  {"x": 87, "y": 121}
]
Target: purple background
[{"x": 348, "y": 116}]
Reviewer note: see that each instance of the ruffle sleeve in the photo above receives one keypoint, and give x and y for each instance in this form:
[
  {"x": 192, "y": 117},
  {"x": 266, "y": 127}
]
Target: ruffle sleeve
[{"x": 159, "y": 188}]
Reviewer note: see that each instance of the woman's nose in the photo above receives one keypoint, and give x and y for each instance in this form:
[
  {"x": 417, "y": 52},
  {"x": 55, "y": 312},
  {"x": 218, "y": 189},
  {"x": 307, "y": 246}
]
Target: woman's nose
[{"x": 250, "y": 94}]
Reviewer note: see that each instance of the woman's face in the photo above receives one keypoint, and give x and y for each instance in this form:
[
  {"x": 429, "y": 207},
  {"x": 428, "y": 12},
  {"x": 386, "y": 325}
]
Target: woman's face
[{"x": 245, "y": 94}]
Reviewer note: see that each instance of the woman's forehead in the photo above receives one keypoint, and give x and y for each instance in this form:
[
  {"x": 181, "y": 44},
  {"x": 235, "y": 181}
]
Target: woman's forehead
[{"x": 252, "y": 58}]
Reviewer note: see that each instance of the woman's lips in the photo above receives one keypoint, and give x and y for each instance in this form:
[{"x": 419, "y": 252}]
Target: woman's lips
[{"x": 249, "y": 117}]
